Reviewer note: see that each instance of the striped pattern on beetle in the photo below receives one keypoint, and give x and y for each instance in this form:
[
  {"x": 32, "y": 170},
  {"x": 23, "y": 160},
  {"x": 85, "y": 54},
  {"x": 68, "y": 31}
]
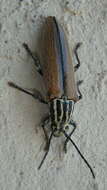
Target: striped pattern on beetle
[
  {"x": 61, "y": 111},
  {"x": 58, "y": 76}
]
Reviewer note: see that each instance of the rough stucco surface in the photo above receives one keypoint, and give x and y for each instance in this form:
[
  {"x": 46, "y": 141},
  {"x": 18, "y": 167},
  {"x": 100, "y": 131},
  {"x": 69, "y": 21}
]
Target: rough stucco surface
[{"x": 21, "y": 137}]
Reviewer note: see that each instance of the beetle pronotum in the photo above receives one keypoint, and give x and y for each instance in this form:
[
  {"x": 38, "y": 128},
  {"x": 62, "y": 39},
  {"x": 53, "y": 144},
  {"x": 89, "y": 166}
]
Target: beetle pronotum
[{"x": 58, "y": 75}]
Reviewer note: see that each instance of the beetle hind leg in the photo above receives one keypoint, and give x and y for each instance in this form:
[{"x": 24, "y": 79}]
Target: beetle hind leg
[
  {"x": 76, "y": 55},
  {"x": 67, "y": 140},
  {"x": 35, "y": 94},
  {"x": 78, "y": 84},
  {"x": 35, "y": 58}
]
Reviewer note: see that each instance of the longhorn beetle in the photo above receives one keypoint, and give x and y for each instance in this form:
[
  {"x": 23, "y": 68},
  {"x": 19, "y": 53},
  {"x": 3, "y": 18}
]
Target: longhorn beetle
[{"x": 62, "y": 91}]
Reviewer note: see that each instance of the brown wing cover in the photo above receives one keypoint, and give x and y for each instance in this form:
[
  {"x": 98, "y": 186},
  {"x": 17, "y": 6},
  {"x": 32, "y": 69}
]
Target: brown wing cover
[
  {"x": 58, "y": 74},
  {"x": 51, "y": 68},
  {"x": 70, "y": 89}
]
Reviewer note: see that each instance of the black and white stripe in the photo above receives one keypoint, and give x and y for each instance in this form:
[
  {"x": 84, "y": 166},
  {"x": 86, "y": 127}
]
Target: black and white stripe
[{"x": 61, "y": 111}]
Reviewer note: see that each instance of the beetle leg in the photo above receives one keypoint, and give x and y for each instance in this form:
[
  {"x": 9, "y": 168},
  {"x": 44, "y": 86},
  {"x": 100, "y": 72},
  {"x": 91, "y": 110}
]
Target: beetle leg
[
  {"x": 80, "y": 95},
  {"x": 67, "y": 140},
  {"x": 35, "y": 58},
  {"x": 45, "y": 132},
  {"x": 36, "y": 94},
  {"x": 76, "y": 55}
]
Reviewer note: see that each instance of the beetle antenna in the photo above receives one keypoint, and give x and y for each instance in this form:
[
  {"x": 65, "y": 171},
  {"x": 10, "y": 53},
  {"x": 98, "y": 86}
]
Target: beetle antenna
[
  {"x": 49, "y": 142},
  {"x": 86, "y": 162}
]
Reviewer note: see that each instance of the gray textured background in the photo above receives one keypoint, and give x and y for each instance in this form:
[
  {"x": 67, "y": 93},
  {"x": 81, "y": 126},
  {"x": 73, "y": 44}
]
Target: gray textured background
[{"x": 21, "y": 138}]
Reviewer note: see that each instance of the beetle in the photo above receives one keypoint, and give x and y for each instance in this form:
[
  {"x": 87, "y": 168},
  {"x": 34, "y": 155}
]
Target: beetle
[{"x": 62, "y": 91}]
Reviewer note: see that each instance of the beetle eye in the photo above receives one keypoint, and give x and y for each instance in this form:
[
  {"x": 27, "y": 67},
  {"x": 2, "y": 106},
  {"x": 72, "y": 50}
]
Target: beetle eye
[
  {"x": 66, "y": 127},
  {"x": 54, "y": 127}
]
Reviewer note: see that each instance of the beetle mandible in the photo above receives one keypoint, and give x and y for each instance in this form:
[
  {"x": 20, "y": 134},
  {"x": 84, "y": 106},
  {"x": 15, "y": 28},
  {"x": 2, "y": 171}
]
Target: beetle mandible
[{"x": 62, "y": 91}]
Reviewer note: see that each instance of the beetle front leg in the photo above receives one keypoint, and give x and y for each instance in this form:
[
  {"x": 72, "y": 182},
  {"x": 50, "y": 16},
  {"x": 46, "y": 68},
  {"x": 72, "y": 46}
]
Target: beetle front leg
[
  {"x": 76, "y": 55},
  {"x": 44, "y": 130},
  {"x": 35, "y": 58},
  {"x": 36, "y": 94},
  {"x": 67, "y": 140}
]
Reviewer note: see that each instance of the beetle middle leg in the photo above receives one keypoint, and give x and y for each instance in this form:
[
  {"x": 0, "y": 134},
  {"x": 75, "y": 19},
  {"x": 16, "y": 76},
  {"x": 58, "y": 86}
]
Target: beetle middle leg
[
  {"x": 76, "y": 55},
  {"x": 35, "y": 58},
  {"x": 36, "y": 94},
  {"x": 67, "y": 140}
]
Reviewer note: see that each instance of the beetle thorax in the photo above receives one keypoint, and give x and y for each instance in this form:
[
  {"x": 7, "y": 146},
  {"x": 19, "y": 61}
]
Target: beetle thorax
[{"x": 61, "y": 111}]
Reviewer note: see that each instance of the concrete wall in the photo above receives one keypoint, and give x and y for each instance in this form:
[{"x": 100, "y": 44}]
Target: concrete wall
[{"x": 21, "y": 137}]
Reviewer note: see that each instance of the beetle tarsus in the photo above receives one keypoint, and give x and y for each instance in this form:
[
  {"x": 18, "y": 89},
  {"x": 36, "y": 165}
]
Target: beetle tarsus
[{"x": 76, "y": 55}]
